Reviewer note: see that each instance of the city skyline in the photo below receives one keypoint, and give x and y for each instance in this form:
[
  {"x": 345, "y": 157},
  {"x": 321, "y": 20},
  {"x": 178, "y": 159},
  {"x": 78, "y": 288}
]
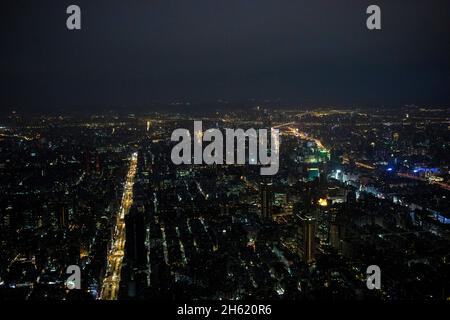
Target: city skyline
[
  {"x": 354, "y": 190},
  {"x": 225, "y": 157}
]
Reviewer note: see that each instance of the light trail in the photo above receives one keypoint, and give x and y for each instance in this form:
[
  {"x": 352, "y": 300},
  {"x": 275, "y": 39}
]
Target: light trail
[
  {"x": 411, "y": 176},
  {"x": 305, "y": 136},
  {"x": 111, "y": 282},
  {"x": 346, "y": 159},
  {"x": 283, "y": 125}
]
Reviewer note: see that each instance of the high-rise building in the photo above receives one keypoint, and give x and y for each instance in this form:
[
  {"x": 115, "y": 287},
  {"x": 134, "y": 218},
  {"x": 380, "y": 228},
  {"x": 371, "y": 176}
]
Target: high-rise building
[
  {"x": 266, "y": 195},
  {"x": 307, "y": 234},
  {"x": 351, "y": 197},
  {"x": 335, "y": 232},
  {"x": 135, "y": 251},
  {"x": 63, "y": 217}
]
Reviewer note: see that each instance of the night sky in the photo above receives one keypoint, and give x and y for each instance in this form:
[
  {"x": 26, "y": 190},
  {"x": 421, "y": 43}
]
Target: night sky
[{"x": 136, "y": 52}]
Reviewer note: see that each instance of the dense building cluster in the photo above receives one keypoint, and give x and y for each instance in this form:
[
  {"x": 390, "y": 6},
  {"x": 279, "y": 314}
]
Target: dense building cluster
[{"x": 354, "y": 189}]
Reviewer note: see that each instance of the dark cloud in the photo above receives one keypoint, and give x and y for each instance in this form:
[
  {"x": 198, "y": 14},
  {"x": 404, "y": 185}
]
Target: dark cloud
[{"x": 313, "y": 52}]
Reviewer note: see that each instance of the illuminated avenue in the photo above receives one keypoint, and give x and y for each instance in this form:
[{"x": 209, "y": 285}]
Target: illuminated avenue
[{"x": 111, "y": 281}]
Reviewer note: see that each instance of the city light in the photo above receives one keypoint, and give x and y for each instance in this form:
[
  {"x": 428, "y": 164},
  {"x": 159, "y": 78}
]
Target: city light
[
  {"x": 228, "y": 157},
  {"x": 323, "y": 202},
  {"x": 110, "y": 286}
]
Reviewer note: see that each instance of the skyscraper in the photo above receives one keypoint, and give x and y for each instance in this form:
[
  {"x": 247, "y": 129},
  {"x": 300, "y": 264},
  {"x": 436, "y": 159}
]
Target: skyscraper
[
  {"x": 335, "y": 232},
  {"x": 266, "y": 195},
  {"x": 136, "y": 253},
  {"x": 307, "y": 234},
  {"x": 63, "y": 218}
]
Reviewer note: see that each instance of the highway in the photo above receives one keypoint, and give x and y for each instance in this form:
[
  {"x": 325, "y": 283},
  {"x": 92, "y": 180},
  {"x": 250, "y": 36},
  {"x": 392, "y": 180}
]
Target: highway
[
  {"x": 111, "y": 281},
  {"x": 411, "y": 176},
  {"x": 302, "y": 135}
]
